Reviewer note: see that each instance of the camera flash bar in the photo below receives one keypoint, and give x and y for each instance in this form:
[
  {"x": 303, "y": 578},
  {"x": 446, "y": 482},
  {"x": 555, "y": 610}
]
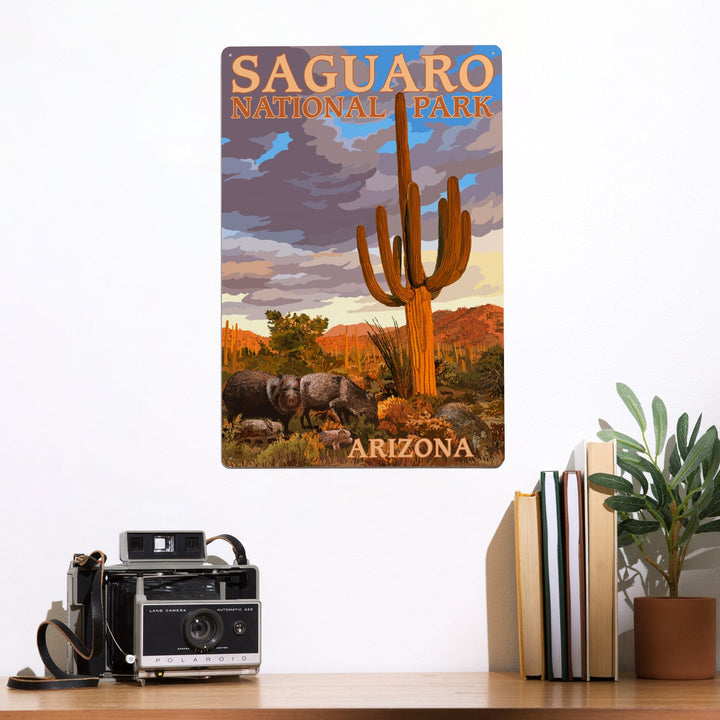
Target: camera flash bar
[{"x": 154, "y": 546}]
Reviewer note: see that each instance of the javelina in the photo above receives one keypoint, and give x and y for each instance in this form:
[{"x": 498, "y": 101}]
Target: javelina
[
  {"x": 256, "y": 394},
  {"x": 325, "y": 391},
  {"x": 335, "y": 439},
  {"x": 255, "y": 430}
]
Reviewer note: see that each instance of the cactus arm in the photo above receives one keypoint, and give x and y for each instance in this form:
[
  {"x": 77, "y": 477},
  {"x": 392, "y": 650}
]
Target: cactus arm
[
  {"x": 453, "y": 242},
  {"x": 398, "y": 254},
  {"x": 465, "y": 242},
  {"x": 442, "y": 224},
  {"x": 415, "y": 270},
  {"x": 368, "y": 275},
  {"x": 388, "y": 257}
]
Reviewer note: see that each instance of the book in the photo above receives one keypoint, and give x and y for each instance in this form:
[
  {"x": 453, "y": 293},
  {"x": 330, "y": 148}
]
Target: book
[
  {"x": 573, "y": 492},
  {"x": 529, "y": 577},
  {"x": 362, "y": 256},
  {"x": 556, "y": 666},
  {"x": 600, "y": 562}
]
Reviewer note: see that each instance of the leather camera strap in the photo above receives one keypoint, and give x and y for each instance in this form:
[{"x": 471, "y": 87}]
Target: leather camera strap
[
  {"x": 237, "y": 546},
  {"x": 89, "y": 564}
]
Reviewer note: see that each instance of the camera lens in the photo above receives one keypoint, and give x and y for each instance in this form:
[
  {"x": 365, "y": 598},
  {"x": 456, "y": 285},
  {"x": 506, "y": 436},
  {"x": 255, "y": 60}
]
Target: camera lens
[{"x": 203, "y": 629}]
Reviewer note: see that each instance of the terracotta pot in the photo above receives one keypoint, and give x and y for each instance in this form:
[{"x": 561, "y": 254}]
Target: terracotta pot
[{"x": 675, "y": 638}]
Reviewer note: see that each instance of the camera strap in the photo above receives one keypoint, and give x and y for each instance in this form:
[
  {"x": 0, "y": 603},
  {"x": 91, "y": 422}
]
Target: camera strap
[
  {"x": 237, "y": 546},
  {"x": 93, "y": 565}
]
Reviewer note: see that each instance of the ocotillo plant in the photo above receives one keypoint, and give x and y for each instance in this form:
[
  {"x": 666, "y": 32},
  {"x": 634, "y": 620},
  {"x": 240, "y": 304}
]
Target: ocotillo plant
[{"x": 417, "y": 290}]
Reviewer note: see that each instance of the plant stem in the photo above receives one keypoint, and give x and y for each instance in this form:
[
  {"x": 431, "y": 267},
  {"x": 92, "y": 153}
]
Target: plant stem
[
  {"x": 647, "y": 449},
  {"x": 650, "y": 561},
  {"x": 682, "y": 560},
  {"x": 674, "y": 567}
]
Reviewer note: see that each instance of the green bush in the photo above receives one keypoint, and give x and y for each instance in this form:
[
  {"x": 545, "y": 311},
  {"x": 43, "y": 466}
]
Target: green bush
[{"x": 299, "y": 450}]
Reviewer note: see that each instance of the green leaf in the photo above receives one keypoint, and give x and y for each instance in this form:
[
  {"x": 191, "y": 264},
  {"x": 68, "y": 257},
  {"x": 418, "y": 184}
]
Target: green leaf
[
  {"x": 634, "y": 471},
  {"x": 674, "y": 462},
  {"x": 622, "y": 503},
  {"x": 630, "y": 457},
  {"x": 712, "y": 526},
  {"x": 660, "y": 422},
  {"x": 712, "y": 510},
  {"x": 713, "y": 507},
  {"x": 640, "y": 527},
  {"x": 624, "y": 441},
  {"x": 681, "y": 435},
  {"x": 624, "y": 539},
  {"x": 716, "y": 488},
  {"x": 614, "y": 482},
  {"x": 655, "y": 509},
  {"x": 632, "y": 404},
  {"x": 696, "y": 455},
  {"x": 659, "y": 486},
  {"x": 691, "y": 529},
  {"x": 712, "y": 462},
  {"x": 693, "y": 495},
  {"x": 694, "y": 433}
]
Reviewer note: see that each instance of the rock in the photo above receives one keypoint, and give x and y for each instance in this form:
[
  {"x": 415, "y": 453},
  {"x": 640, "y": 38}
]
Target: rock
[{"x": 468, "y": 425}]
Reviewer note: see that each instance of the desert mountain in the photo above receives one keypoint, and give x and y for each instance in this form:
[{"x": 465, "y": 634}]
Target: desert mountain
[{"x": 480, "y": 326}]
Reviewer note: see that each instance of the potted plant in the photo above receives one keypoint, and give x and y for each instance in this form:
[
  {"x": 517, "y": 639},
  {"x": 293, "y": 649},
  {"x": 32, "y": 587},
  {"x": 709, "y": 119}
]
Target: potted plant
[{"x": 671, "y": 488}]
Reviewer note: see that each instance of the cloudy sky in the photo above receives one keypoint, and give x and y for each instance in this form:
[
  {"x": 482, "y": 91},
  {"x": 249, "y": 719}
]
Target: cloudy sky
[{"x": 295, "y": 190}]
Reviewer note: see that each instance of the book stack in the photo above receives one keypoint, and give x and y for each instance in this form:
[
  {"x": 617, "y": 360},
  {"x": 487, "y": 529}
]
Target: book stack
[{"x": 566, "y": 564}]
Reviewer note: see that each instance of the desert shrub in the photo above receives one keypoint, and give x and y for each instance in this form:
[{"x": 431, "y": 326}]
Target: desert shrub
[
  {"x": 424, "y": 425},
  {"x": 498, "y": 436},
  {"x": 426, "y": 403},
  {"x": 299, "y": 450},
  {"x": 328, "y": 422},
  {"x": 238, "y": 454},
  {"x": 393, "y": 414},
  {"x": 490, "y": 372},
  {"x": 362, "y": 428},
  {"x": 229, "y": 431},
  {"x": 446, "y": 372},
  {"x": 492, "y": 409},
  {"x": 393, "y": 352},
  {"x": 413, "y": 418}
]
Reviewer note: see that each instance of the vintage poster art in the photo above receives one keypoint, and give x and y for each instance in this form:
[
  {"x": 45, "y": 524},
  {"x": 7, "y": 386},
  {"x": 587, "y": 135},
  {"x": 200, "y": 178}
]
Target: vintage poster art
[{"x": 362, "y": 275}]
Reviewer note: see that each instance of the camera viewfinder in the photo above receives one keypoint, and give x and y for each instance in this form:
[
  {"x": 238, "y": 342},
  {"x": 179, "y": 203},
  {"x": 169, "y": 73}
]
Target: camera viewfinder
[{"x": 164, "y": 543}]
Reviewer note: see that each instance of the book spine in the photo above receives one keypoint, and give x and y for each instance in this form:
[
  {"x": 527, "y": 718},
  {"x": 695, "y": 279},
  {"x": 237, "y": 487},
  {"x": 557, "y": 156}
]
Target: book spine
[{"x": 554, "y": 578}]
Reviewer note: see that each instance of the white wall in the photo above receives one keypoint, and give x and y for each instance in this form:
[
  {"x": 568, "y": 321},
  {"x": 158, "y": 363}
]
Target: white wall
[{"x": 110, "y": 307}]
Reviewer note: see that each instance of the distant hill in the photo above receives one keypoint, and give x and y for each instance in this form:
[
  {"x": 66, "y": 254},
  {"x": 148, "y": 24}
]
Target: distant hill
[
  {"x": 480, "y": 326},
  {"x": 483, "y": 325},
  {"x": 337, "y": 330},
  {"x": 239, "y": 339}
]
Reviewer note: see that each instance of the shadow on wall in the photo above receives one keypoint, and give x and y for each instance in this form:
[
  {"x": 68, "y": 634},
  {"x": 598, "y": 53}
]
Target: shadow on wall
[
  {"x": 501, "y": 592},
  {"x": 56, "y": 643}
]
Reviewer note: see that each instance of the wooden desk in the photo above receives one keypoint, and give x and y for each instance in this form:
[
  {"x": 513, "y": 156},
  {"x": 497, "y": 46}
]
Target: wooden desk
[{"x": 365, "y": 696}]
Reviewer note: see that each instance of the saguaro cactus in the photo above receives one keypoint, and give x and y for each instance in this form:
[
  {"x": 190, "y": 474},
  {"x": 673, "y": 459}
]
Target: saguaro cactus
[{"x": 416, "y": 291}]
